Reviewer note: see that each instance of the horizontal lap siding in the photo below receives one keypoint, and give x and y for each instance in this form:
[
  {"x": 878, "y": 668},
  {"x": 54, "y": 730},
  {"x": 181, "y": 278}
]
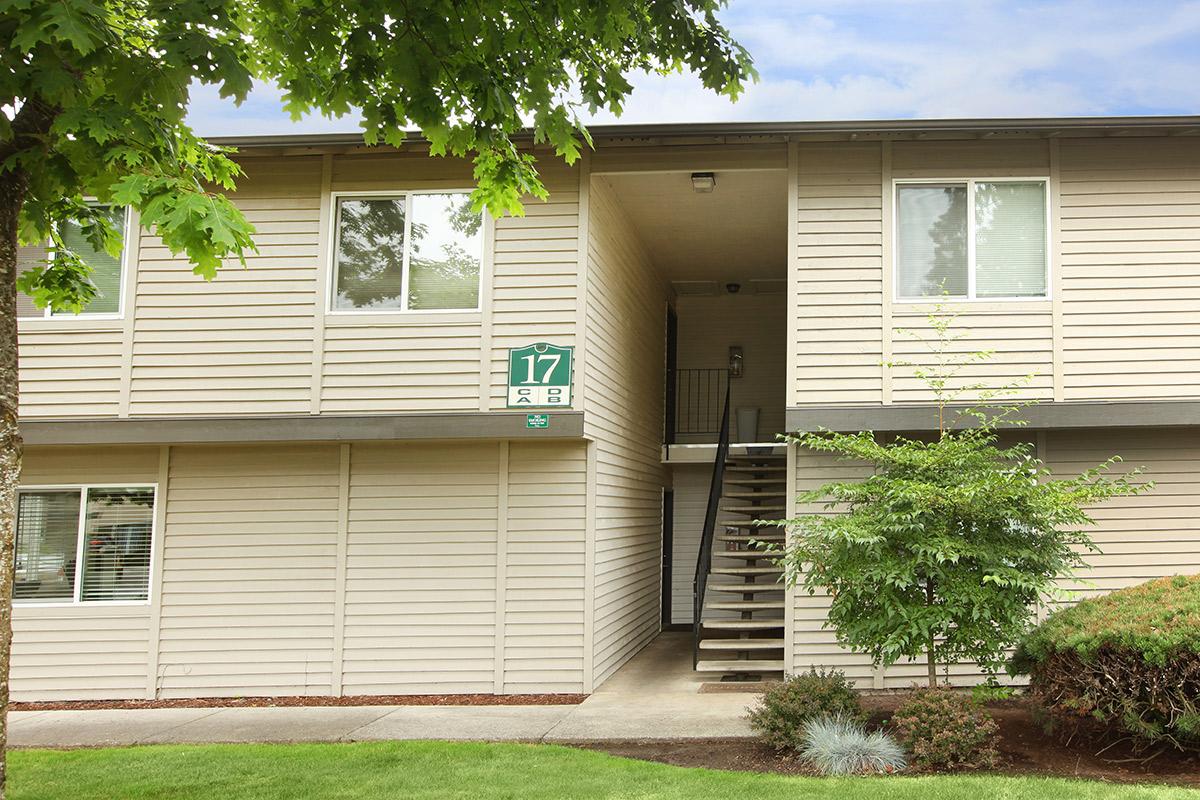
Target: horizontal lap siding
[
  {"x": 1140, "y": 538},
  {"x": 70, "y": 373},
  {"x": 421, "y": 570},
  {"x": 1131, "y": 280},
  {"x": 1019, "y": 340},
  {"x": 544, "y": 568},
  {"x": 690, "y": 484},
  {"x": 82, "y": 652},
  {"x": 836, "y": 289},
  {"x": 535, "y": 274},
  {"x": 626, "y": 361},
  {"x": 243, "y": 343},
  {"x": 248, "y": 571}
]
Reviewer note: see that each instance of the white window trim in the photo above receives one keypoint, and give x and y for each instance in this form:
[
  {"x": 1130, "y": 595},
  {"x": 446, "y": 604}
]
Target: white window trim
[
  {"x": 331, "y": 256},
  {"x": 970, "y": 297},
  {"x": 76, "y": 601},
  {"x": 125, "y": 249}
]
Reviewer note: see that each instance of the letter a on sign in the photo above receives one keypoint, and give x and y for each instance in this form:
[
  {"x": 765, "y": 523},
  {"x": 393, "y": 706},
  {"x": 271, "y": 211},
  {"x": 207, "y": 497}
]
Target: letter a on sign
[{"x": 539, "y": 376}]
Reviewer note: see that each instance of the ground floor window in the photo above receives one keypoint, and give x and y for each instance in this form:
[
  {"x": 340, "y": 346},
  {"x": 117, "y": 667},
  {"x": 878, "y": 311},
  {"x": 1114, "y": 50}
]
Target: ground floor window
[{"x": 84, "y": 544}]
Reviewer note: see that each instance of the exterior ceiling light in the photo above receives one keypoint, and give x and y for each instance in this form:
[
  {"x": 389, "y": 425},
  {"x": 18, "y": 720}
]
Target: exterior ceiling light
[{"x": 703, "y": 182}]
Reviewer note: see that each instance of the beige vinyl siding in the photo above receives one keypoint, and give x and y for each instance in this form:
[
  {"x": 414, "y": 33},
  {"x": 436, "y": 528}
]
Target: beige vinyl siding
[
  {"x": 836, "y": 281},
  {"x": 82, "y": 652},
  {"x": 248, "y": 571},
  {"x": 1130, "y": 274},
  {"x": 1140, "y": 538},
  {"x": 249, "y": 602},
  {"x": 709, "y": 326},
  {"x": 544, "y": 568},
  {"x": 240, "y": 344},
  {"x": 690, "y": 484},
  {"x": 535, "y": 274},
  {"x": 1017, "y": 334},
  {"x": 421, "y": 569},
  {"x": 69, "y": 369},
  {"x": 626, "y": 319}
]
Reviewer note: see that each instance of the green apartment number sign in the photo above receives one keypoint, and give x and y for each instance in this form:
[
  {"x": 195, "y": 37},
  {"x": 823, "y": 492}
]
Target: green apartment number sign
[{"x": 539, "y": 376}]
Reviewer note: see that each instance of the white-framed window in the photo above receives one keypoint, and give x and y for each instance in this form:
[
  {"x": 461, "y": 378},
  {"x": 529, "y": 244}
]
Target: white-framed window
[
  {"x": 972, "y": 239},
  {"x": 84, "y": 544},
  {"x": 405, "y": 251},
  {"x": 108, "y": 273}
]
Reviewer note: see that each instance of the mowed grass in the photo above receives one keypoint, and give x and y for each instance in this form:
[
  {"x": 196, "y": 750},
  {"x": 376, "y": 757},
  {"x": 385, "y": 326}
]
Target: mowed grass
[{"x": 425, "y": 770}]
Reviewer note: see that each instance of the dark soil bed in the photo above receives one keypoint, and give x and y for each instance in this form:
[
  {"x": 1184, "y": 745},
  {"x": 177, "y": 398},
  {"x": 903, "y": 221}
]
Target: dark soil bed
[
  {"x": 351, "y": 700},
  {"x": 1026, "y": 749}
]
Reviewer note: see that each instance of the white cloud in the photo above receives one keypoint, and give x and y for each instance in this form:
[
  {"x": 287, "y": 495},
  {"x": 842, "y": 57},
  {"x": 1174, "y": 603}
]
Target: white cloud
[{"x": 856, "y": 59}]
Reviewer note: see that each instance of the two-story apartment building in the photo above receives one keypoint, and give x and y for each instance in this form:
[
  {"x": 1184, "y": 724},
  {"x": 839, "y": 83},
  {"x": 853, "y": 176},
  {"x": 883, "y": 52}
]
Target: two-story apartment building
[{"x": 413, "y": 450}]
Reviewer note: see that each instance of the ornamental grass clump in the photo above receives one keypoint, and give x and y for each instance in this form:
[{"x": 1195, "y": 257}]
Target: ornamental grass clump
[
  {"x": 1128, "y": 662},
  {"x": 787, "y": 707},
  {"x": 835, "y": 745},
  {"x": 946, "y": 730}
]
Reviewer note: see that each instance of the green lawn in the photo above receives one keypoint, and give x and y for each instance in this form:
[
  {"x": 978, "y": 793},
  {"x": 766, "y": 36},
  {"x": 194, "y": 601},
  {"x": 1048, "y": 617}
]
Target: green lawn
[{"x": 422, "y": 770}]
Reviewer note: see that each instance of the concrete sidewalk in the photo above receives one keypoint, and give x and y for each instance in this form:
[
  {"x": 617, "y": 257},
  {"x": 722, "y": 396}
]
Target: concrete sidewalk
[{"x": 654, "y": 696}]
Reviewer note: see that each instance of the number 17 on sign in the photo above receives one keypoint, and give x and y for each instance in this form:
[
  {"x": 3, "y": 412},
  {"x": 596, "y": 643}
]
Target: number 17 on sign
[{"x": 539, "y": 376}]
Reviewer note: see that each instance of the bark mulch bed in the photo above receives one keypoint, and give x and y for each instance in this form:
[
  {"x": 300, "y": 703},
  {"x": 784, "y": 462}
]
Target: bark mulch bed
[
  {"x": 1026, "y": 749},
  {"x": 317, "y": 702}
]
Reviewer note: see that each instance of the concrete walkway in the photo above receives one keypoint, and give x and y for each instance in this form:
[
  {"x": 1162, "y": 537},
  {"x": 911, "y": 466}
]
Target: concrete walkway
[{"x": 655, "y": 696}]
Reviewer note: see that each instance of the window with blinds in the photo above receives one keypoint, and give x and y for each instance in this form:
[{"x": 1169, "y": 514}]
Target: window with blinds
[
  {"x": 84, "y": 545},
  {"x": 416, "y": 251},
  {"x": 972, "y": 239},
  {"x": 106, "y": 269}
]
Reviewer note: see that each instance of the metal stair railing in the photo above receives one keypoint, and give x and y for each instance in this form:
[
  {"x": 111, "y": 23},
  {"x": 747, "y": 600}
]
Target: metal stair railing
[{"x": 704, "y": 559}]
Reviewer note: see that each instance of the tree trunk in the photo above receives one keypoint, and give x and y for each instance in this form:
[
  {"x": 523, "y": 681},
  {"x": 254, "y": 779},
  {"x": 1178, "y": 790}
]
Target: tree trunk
[
  {"x": 930, "y": 660},
  {"x": 12, "y": 195}
]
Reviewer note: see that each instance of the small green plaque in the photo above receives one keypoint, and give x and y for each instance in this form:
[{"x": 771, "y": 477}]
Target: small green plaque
[{"x": 537, "y": 420}]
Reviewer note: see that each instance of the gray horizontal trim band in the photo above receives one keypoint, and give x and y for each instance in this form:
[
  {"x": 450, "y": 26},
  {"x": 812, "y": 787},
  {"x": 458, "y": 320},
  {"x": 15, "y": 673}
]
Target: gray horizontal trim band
[
  {"x": 211, "y": 430},
  {"x": 1144, "y": 414}
]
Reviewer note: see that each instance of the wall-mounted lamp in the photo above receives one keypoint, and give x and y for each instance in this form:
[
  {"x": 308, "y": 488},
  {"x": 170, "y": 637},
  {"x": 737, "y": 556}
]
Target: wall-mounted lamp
[
  {"x": 736, "y": 361},
  {"x": 703, "y": 182}
]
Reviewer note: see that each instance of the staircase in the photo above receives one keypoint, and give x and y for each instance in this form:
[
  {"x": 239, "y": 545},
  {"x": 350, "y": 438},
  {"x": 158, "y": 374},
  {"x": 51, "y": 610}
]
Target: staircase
[{"x": 740, "y": 635}]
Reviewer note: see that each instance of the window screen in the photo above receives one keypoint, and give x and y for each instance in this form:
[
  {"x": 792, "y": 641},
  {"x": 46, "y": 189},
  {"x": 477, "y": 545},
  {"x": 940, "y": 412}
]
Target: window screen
[
  {"x": 447, "y": 241},
  {"x": 1010, "y": 239},
  {"x": 932, "y": 234},
  {"x": 370, "y": 253},
  {"x": 116, "y": 545},
  {"x": 106, "y": 270}
]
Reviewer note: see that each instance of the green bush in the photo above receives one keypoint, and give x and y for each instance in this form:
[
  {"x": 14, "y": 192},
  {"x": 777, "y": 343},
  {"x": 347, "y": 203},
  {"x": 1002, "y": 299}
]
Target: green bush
[
  {"x": 1129, "y": 660},
  {"x": 945, "y": 729},
  {"x": 787, "y": 707}
]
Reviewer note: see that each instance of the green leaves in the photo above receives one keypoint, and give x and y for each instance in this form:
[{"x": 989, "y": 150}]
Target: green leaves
[{"x": 948, "y": 542}]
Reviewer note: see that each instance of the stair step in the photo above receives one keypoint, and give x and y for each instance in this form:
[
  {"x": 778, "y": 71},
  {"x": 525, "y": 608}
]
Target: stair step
[
  {"x": 740, "y": 666},
  {"x": 754, "y": 509},
  {"x": 749, "y": 523},
  {"x": 745, "y": 588},
  {"x": 744, "y": 605},
  {"x": 765, "y": 536},
  {"x": 741, "y": 644},
  {"x": 740, "y": 468},
  {"x": 750, "y": 555},
  {"x": 755, "y": 481},
  {"x": 742, "y": 624},
  {"x": 753, "y": 495},
  {"x": 745, "y": 571}
]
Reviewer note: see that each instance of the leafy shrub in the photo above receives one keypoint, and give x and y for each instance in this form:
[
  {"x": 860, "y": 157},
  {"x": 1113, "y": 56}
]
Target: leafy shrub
[
  {"x": 839, "y": 746},
  {"x": 945, "y": 729},
  {"x": 787, "y": 707},
  {"x": 1129, "y": 661}
]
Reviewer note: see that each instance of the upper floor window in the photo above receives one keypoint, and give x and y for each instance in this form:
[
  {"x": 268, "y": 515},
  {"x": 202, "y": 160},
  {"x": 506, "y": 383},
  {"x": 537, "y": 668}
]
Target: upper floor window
[
  {"x": 84, "y": 544},
  {"x": 106, "y": 270},
  {"x": 414, "y": 251},
  {"x": 971, "y": 239}
]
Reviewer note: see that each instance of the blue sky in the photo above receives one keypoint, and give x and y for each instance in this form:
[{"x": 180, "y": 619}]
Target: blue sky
[{"x": 877, "y": 59}]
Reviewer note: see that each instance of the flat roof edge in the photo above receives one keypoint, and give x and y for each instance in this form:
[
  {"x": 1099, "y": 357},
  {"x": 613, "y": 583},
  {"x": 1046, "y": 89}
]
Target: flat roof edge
[{"x": 948, "y": 125}]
